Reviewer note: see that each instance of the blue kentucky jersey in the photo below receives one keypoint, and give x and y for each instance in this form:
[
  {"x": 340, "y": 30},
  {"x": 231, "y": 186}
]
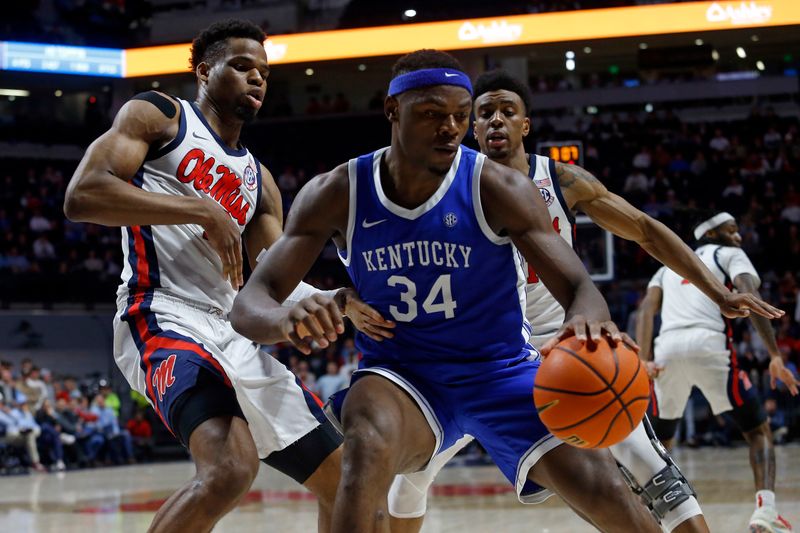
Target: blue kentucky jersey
[{"x": 455, "y": 289}]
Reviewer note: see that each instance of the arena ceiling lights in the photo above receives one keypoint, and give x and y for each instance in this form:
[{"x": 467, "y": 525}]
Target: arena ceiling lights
[{"x": 450, "y": 35}]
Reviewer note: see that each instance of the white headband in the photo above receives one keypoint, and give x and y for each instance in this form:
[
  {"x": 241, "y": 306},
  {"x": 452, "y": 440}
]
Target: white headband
[{"x": 713, "y": 222}]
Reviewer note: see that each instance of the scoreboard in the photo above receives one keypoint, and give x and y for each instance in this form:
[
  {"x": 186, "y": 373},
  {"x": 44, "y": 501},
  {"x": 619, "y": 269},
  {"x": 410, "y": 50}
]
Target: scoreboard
[
  {"x": 52, "y": 58},
  {"x": 562, "y": 151}
]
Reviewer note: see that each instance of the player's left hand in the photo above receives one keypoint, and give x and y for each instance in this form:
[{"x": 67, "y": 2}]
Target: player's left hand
[
  {"x": 588, "y": 331},
  {"x": 740, "y": 305},
  {"x": 363, "y": 316},
  {"x": 777, "y": 371}
]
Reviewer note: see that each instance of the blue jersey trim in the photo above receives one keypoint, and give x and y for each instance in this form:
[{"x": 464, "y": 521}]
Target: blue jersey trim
[
  {"x": 228, "y": 150},
  {"x": 259, "y": 180},
  {"x": 152, "y": 155},
  {"x": 154, "y": 276},
  {"x": 557, "y": 186}
]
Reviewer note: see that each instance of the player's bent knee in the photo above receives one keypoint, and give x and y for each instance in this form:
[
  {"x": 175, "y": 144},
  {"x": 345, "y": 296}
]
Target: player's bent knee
[{"x": 228, "y": 480}]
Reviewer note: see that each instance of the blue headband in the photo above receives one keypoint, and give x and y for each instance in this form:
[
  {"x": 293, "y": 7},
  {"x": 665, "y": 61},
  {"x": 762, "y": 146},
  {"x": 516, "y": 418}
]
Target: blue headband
[{"x": 428, "y": 77}]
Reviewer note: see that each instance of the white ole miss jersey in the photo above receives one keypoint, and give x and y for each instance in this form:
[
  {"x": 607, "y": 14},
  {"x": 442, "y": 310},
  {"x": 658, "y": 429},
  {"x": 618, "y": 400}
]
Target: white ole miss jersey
[
  {"x": 542, "y": 310},
  {"x": 178, "y": 259},
  {"x": 683, "y": 305}
]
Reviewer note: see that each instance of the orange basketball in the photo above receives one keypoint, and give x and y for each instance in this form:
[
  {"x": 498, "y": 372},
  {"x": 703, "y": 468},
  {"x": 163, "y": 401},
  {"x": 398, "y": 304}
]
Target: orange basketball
[{"x": 591, "y": 398}]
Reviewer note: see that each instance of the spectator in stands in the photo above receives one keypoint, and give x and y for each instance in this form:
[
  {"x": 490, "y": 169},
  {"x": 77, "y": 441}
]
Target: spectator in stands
[
  {"x": 70, "y": 426},
  {"x": 330, "y": 382},
  {"x": 43, "y": 249},
  {"x": 89, "y": 436},
  {"x": 109, "y": 396},
  {"x": 92, "y": 263},
  {"x": 304, "y": 375},
  {"x": 32, "y": 387},
  {"x": 52, "y": 440},
  {"x": 8, "y": 387},
  {"x": 120, "y": 445},
  {"x": 287, "y": 181},
  {"x": 642, "y": 160},
  {"x": 719, "y": 142},
  {"x": 142, "y": 435},
  {"x": 22, "y": 430}
]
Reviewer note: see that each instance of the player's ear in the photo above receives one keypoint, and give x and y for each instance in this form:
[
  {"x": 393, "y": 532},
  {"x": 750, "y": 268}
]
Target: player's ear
[
  {"x": 526, "y": 126},
  {"x": 390, "y": 108},
  {"x": 202, "y": 71}
]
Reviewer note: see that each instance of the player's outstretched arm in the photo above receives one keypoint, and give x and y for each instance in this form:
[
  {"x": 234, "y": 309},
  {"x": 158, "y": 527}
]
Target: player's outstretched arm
[
  {"x": 318, "y": 212},
  {"x": 586, "y": 193},
  {"x": 100, "y": 192},
  {"x": 746, "y": 283},
  {"x": 263, "y": 231},
  {"x": 507, "y": 197},
  {"x": 650, "y": 306}
]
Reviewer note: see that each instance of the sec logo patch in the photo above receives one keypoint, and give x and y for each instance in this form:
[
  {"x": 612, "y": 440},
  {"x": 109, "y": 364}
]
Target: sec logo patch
[
  {"x": 547, "y": 197},
  {"x": 250, "y": 180}
]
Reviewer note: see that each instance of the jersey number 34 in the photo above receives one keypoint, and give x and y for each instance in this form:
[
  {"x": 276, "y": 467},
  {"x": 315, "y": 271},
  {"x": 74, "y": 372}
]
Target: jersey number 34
[{"x": 439, "y": 299}]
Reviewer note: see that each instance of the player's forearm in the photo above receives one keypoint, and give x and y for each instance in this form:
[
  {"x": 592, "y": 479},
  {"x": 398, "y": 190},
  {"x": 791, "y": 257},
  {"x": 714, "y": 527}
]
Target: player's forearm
[
  {"x": 257, "y": 315},
  {"x": 767, "y": 334},
  {"x": 644, "y": 334},
  {"x": 665, "y": 246},
  {"x": 587, "y": 302},
  {"x": 112, "y": 202}
]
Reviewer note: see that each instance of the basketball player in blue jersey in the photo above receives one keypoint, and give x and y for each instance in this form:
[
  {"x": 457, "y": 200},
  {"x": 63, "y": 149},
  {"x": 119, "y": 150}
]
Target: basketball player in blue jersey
[
  {"x": 175, "y": 177},
  {"x": 431, "y": 234},
  {"x": 502, "y": 107}
]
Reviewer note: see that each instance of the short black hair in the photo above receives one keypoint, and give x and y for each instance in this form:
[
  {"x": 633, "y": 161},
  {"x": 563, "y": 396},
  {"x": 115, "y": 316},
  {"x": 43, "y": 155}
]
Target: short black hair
[
  {"x": 208, "y": 45},
  {"x": 502, "y": 80},
  {"x": 422, "y": 59}
]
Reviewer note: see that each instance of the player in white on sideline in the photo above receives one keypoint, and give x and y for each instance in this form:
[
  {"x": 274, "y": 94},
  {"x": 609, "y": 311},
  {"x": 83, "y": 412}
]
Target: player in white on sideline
[
  {"x": 501, "y": 110},
  {"x": 695, "y": 348},
  {"x": 186, "y": 193}
]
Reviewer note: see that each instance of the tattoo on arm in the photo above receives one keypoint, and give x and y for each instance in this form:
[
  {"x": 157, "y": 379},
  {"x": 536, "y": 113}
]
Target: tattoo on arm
[{"x": 569, "y": 174}]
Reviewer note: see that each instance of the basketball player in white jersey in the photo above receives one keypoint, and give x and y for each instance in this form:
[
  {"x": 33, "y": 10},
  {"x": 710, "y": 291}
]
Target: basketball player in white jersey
[
  {"x": 502, "y": 104},
  {"x": 174, "y": 176},
  {"x": 695, "y": 348}
]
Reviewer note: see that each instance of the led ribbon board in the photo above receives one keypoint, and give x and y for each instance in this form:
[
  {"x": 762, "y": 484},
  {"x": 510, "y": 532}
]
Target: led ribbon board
[
  {"x": 494, "y": 32},
  {"x": 449, "y": 35},
  {"x": 58, "y": 59}
]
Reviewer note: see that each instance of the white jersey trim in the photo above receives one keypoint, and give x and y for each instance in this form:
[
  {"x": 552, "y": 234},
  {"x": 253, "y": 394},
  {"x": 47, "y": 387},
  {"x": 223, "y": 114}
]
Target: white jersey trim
[
  {"x": 352, "y": 176},
  {"x": 412, "y": 214},
  {"x": 476, "y": 203}
]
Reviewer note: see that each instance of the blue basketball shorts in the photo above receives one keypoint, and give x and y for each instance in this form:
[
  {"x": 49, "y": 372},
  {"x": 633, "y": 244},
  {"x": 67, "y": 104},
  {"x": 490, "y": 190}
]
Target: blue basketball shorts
[{"x": 497, "y": 410}]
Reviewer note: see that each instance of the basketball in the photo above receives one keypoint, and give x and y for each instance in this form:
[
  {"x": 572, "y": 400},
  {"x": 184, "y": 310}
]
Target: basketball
[{"x": 591, "y": 398}]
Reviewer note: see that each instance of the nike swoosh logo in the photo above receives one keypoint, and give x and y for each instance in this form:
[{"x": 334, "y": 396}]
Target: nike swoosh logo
[
  {"x": 196, "y": 136},
  {"x": 365, "y": 224},
  {"x": 449, "y": 75}
]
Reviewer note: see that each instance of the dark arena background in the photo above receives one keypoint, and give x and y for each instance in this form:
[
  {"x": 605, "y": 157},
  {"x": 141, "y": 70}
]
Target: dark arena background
[{"x": 682, "y": 108}]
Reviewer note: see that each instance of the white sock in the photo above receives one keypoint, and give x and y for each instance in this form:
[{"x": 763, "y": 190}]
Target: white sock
[{"x": 765, "y": 498}]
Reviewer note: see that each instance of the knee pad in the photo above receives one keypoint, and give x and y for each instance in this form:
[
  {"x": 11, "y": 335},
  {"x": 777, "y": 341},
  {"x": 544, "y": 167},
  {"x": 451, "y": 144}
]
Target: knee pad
[
  {"x": 666, "y": 491},
  {"x": 406, "y": 499}
]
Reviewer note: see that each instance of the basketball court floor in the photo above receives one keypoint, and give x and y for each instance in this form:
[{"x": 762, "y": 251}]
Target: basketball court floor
[{"x": 465, "y": 499}]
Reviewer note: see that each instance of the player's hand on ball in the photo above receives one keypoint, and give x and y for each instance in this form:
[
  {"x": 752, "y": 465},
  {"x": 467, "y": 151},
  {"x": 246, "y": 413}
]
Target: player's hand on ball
[
  {"x": 653, "y": 369},
  {"x": 777, "y": 371},
  {"x": 313, "y": 319},
  {"x": 588, "y": 331},
  {"x": 364, "y": 317}
]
